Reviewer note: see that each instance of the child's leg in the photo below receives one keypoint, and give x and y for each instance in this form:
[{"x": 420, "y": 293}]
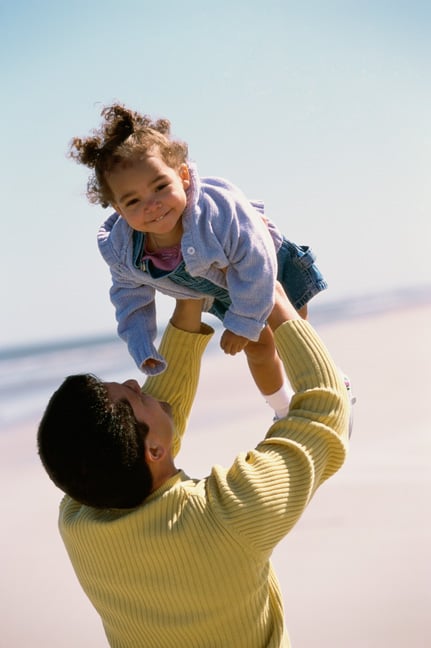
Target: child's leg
[
  {"x": 303, "y": 312},
  {"x": 268, "y": 373}
]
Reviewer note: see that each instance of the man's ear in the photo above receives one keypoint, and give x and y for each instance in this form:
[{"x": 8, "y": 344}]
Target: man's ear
[
  {"x": 154, "y": 451},
  {"x": 184, "y": 174}
]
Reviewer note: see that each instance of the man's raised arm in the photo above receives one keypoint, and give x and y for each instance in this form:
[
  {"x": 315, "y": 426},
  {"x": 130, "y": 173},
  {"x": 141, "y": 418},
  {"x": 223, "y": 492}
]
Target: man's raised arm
[{"x": 183, "y": 344}]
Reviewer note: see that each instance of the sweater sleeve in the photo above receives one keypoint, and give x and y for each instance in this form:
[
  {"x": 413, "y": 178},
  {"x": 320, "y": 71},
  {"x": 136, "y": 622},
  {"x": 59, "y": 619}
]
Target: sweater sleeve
[
  {"x": 264, "y": 493},
  {"x": 177, "y": 385}
]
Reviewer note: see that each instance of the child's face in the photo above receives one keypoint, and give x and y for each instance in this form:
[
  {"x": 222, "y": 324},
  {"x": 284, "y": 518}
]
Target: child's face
[{"x": 149, "y": 194}]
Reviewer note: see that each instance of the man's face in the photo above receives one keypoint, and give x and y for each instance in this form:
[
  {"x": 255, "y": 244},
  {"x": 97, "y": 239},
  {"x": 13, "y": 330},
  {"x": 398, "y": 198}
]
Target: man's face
[{"x": 146, "y": 409}]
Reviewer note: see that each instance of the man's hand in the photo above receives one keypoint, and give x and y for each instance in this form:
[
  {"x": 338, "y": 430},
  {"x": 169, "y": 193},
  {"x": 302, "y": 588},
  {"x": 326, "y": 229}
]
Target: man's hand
[{"x": 231, "y": 343}]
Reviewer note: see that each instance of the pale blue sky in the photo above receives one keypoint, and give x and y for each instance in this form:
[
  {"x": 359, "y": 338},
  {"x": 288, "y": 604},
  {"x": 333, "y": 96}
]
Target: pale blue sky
[{"x": 321, "y": 109}]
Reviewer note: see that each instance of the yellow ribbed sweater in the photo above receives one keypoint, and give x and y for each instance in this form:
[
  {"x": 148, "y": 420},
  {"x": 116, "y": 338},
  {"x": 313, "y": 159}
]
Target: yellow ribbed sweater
[{"x": 190, "y": 568}]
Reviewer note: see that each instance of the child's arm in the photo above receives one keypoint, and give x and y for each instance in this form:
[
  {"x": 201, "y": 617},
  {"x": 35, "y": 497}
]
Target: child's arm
[
  {"x": 133, "y": 300},
  {"x": 239, "y": 243},
  {"x": 135, "y": 313}
]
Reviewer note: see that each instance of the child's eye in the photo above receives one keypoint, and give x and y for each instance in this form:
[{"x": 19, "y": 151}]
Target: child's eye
[
  {"x": 160, "y": 187},
  {"x": 131, "y": 202}
]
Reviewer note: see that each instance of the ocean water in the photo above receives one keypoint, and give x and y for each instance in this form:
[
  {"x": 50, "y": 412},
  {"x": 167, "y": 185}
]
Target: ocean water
[{"x": 29, "y": 375}]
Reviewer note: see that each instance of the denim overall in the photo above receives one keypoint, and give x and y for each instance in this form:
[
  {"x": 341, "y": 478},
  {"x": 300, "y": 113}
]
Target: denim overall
[{"x": 297, "y": 273}]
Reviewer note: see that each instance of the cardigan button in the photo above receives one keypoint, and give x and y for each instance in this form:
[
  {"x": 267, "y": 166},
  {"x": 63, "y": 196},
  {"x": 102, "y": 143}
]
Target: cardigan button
[{"x": 191, "y": 250}]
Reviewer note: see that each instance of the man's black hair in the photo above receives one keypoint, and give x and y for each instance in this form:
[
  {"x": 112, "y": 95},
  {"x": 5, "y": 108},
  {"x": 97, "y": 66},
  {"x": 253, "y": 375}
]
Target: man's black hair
[{"x": 93, "y": 449}]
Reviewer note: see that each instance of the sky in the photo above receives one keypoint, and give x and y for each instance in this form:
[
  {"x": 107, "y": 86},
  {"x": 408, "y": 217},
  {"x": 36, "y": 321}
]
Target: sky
[{"x": 321, "y": 109}]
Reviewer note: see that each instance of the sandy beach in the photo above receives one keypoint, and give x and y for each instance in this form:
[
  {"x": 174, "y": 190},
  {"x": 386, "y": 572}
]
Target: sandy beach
[{"x": 355, "y": 572}]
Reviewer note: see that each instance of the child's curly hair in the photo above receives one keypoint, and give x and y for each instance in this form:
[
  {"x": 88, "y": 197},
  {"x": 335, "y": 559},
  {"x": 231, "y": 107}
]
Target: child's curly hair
[{"x": 123, "y": 137}]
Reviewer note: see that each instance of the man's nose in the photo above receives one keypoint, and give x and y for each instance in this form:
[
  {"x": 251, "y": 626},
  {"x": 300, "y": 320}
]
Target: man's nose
[{"x": 133, "y": 384}]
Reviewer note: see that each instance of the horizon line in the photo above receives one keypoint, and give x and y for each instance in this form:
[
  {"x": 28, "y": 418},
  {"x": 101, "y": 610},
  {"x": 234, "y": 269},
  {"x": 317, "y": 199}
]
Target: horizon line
[{"x": 335, "y": 310}]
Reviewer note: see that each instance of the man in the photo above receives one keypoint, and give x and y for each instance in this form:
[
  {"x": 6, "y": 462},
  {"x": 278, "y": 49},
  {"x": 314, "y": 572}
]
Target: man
[{"x": 168, "y": 560}]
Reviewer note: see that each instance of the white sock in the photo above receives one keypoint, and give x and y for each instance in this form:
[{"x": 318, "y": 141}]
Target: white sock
[{"x": 280, "y": 400}]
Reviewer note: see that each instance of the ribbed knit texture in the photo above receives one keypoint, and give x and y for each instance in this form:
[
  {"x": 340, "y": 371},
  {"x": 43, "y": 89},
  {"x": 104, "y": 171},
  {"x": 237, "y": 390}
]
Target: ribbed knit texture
[
  {"x": 177, "y": 385},
  {"x": 191, "y": 567}
]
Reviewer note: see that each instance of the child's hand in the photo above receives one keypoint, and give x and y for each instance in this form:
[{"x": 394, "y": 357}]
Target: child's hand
[
  {"x": 151, "y": 363},
  {"x": 231, "y": 343}
]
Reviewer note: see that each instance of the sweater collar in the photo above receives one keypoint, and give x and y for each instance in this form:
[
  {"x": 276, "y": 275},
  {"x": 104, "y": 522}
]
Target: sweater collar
[{"x": 173, "y": 481}]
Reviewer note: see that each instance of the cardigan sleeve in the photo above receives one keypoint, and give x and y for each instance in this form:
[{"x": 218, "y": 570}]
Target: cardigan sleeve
[
  {"x": 135, "y": 311},
  {"x": 177, "y": 385},
  {"x": 250, "y": 275},
  {"x": 133, "y": 300},
  {"x": 264, "y": 493}
]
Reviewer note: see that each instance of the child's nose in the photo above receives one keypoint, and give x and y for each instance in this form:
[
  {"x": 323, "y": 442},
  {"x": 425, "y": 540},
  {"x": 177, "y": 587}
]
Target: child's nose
[{"x": 152, "y": 206}]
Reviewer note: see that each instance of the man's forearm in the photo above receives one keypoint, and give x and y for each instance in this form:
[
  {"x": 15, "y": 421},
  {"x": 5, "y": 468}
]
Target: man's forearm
[{"x": 177, "y": 385}]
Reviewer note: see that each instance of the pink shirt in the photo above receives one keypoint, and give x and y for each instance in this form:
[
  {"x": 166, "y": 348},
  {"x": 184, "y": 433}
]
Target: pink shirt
[{"x": 164, "y": 258}]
